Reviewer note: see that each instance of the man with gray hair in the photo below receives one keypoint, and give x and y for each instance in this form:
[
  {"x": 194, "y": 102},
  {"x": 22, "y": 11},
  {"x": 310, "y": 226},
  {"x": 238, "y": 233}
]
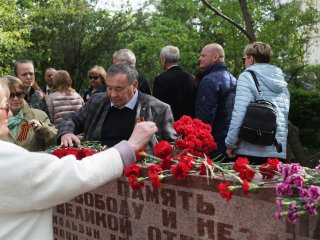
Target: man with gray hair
[
  {"x": 216, "y": 94},
  {"x": 48, "y": 78},
  {"x": 127, "y": 56},
  {"x": 110, "y": 118},
  {"x": 174, "y": 86}
]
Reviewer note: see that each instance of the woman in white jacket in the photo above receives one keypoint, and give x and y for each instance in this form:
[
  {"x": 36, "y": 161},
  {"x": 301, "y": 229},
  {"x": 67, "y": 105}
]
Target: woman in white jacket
[
  {"x": 257, "y": 56},
  {"x": 32, "y": 183}
]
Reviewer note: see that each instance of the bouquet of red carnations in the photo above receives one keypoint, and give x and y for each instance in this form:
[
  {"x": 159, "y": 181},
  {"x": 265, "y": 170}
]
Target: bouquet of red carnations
[
  {"x": 188, "y": 155},
  {"x": 87, "y": 148}
]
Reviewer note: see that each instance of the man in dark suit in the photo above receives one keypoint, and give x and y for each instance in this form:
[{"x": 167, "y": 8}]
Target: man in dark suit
[
  {"x": 174, "y": 86},
  {"x": 127, "y": 56},
  {"x": 110, "y": 118}
]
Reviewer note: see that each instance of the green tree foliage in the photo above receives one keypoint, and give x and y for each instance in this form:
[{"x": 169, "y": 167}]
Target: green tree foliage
[
  {"x": 71, "y": 35},
  {"x": 304, "y": 113},
  {"x": 190, "y": 25},
  {"x": 14, "y": 34},
  {"x": 64, "y": 34}
]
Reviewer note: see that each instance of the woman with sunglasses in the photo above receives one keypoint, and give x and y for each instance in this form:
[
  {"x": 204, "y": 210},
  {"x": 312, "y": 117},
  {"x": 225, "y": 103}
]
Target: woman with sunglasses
[
  {"x": 32, "y": 183},
  {"x": 29, "y": 128},
  {"x": 97, "y": 77}
]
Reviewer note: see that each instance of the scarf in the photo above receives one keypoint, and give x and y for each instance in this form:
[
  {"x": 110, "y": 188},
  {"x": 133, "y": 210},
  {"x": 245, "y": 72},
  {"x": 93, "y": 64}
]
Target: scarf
[{"x": 14, "y": 121}]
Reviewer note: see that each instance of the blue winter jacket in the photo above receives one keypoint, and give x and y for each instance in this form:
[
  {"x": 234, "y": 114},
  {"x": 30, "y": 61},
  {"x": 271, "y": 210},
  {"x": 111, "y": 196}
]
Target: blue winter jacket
[
  {"x": 274, "y": 89},
  {"x": 214, "y": 102}
]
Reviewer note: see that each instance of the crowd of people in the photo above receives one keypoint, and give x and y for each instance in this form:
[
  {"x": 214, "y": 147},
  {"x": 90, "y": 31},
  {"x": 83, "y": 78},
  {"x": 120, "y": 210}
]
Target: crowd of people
[
  {"x": 120, "y": 110},
  {"x": 121, "y": 96}
]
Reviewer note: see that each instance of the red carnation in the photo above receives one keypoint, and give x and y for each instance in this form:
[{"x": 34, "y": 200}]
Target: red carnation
[
  {"x": 246, "y": 187},
  {"x": 59, "y": 153},
  {"x": 224, "y": 191},
  {"x": 84, "y": 152},
  {"x": 166, "y": 163},
  {"x": 132, "y": 169},
  {"x": 133, "y": 182},
  {"x": 268, "y": 169},
  {"x": 246, "y": 174},
  {"x": 180, "y": 171},
  {"x": 162, "y": 149},
  {"x": 188, "y": 161},
  {"x": 155, "y": 168},
  {"x": 240, "y": 163},
  {"x": 180, "y": 144},
  {"x": 138, "y": 153},
  {"x": 203, "y": 168},
  {"x": 154, "y": 177}
]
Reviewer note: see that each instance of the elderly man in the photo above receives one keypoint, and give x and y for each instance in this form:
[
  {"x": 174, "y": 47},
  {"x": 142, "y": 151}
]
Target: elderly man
[
  {"x": 24, "y": 70},
  {"x": 127, "y": 56},
  {"x": 216, "y": 93},
  {"x": 174, "y": 86},
  {"x": 111, "y": 117},
  {"x": 48, "y": 78}
]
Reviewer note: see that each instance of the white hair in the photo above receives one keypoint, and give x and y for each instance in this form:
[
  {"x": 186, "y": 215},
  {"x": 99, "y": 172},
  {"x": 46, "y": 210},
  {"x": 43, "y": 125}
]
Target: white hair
[
  {"x": 170, "y": 53},
  {"x": 125, "y": 55}
]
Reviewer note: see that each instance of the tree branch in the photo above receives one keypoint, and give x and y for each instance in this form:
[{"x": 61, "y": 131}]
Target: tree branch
[{"x": 251, "y": 39}]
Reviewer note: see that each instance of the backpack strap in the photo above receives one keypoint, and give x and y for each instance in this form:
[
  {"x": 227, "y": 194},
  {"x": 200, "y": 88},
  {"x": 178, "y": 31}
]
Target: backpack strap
[{"x": 256, "y": 82}]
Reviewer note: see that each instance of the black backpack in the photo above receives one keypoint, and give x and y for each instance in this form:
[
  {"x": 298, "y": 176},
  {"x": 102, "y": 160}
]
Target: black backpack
[{"x": 260, "y": 121}]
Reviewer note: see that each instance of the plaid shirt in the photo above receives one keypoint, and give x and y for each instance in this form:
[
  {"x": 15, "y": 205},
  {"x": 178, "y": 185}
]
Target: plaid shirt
[{"x": 89, "y": 119}]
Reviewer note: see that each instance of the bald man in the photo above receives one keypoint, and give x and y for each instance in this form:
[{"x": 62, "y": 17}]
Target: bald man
[{"x": 215, "y": 96}]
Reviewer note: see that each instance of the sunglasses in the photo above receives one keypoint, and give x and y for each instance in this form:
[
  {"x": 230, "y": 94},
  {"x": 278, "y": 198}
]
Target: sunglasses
[
  {"x": 17, "y": 94},
  {"x": 244, "y": 60},
  {"x": 6, "y": 108},
  {"x": 94, "y": 78}
]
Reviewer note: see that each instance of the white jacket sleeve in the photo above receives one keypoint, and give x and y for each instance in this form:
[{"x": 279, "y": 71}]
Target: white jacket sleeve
[{"x": 35, "y": 181}]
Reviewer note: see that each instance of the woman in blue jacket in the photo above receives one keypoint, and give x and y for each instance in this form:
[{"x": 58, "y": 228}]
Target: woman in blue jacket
[{"x": 257, "y": 56}]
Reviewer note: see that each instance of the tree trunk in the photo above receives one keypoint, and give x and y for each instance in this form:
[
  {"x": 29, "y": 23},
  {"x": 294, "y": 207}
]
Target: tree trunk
[
  {"x": 248, "y": 20},
  {"x": 295, "y": 146}
]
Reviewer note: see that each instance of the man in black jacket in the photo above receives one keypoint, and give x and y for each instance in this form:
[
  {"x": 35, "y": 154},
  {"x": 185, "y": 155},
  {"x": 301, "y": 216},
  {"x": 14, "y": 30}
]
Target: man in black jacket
[
  {"x": 216, "y": 94},
  {"x": 174, "y": 86}
]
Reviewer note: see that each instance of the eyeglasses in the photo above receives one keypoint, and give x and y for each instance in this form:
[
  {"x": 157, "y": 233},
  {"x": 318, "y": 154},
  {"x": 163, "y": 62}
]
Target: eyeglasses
[
  {"x": 17, "y": 94},
  {"x": 94, "y": 78},
  {"x": 6, "y": 108}
]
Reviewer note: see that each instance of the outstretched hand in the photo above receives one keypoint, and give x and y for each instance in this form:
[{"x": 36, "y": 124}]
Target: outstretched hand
[
  {"x": 69, "y": 139},
  {"x": 142, "y": 134}
]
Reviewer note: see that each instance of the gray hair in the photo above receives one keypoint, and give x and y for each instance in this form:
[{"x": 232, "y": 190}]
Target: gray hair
[
  {"x": 123, "y": 68},
  {"x": 170, "y": 53},
  {"x": 125, "y": 55},
  {"x": 50, "y": 69}
]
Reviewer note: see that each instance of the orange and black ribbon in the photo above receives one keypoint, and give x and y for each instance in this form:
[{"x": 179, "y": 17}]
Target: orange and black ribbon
[{"x": 24, "y": 133}]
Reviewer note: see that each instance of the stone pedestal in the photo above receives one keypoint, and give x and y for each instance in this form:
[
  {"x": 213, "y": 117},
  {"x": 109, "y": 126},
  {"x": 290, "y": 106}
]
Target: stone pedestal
[{"x": 189, "y": 210}]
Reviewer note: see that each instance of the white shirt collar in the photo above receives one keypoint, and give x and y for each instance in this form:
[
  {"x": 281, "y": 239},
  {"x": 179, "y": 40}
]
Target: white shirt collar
[{"x": 131, "y": 104}]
